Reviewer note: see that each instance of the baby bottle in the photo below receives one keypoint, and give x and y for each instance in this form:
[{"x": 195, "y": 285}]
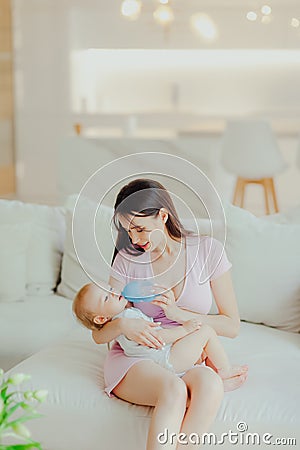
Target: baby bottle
[{"x": 139, "y": 291}]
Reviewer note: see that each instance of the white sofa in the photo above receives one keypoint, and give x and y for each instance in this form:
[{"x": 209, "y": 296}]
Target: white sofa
[
  {"x": 31, "y": 248},
  {"x": 36, "y": 321}
]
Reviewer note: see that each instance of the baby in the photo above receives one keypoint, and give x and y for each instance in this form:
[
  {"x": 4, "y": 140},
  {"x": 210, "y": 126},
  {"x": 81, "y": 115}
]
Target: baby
[{"x": 183, "y": 344}]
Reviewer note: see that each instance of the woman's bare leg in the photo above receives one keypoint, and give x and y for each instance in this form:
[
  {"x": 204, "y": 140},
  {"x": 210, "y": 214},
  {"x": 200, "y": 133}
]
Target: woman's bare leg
[
  {"x": 205, "y": 389},
  {"x": 146, "y": 383}
]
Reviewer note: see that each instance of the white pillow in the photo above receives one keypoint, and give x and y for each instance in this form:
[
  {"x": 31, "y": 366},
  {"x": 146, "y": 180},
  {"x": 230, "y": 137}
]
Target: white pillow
[
  {"x": 44, "y": 260},
  {"x": 13, "y": 247},
  {"x": 93, "y": 265},
  {"x": 45, "y": 245},
  {"x": 266, "y": 268}
]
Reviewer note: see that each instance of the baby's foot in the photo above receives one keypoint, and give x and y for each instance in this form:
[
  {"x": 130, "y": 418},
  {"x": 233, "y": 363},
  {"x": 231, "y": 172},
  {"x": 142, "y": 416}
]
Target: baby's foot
[
  {"x": 230, "y": 384},
  {"x": 233, "y": 371},
  {"x": 192, "y": 325}
]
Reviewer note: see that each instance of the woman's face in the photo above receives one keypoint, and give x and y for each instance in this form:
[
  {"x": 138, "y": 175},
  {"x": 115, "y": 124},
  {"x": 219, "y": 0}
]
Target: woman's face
[{"x": 147, "y": 232}]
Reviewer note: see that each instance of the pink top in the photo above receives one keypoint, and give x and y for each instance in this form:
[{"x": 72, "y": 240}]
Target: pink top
[{"x": 205, "y": 261}]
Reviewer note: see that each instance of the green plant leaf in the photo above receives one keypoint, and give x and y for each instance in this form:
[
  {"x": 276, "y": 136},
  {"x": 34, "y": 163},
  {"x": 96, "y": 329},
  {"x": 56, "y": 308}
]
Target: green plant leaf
[
  {"x": 31, "y": 445},
  {"x": 3, "y": 392},
  {"x": 27, "y": 407},
  {"x": 24, "y": 419},
  {"x": 9, "y": 405},
  {"x": 10, "y": 411},
  {"x": 11, "y": 395}
]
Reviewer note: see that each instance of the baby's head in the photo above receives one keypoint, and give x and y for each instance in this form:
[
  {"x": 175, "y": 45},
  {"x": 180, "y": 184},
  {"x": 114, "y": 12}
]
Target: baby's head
[{"x": 94, "y": 306}]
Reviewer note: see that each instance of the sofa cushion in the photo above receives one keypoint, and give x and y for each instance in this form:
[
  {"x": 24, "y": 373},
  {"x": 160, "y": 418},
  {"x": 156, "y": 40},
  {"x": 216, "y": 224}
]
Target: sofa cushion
[
  {"x": 290, "y": 216},
  {"x": 28, "y": 326},
  {"x": 82, "y": 415},
  {"x": 90, "y": 259},
  {"x": 13, "y": 249},
  {"x": 266, "y": 268},
  {"x": 45, "y": 244}
]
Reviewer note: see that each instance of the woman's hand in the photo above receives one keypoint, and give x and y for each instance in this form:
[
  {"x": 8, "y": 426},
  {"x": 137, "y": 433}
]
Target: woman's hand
[
  {"x": 166, "y": 301},
  {"x": 142, "y": 332}
]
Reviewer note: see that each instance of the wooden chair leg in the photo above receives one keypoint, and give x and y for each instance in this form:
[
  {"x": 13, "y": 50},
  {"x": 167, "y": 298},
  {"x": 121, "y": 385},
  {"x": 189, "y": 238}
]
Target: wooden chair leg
[
  {"x": 77, "y": 128},
  {"x": 243, "y": 186},
  {"x": 273, "y": 194},
  {"x": 265, "y": 183},
  {"x": 269, "y": 192},
  {"x": 237, "y": 193},
  {"x": 238, "y": 198}
]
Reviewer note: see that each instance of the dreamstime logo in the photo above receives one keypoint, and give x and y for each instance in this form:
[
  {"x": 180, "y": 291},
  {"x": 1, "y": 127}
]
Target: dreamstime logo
[
  {"x": 238, "y": 437},
  {"x": 196, "y": 201}
]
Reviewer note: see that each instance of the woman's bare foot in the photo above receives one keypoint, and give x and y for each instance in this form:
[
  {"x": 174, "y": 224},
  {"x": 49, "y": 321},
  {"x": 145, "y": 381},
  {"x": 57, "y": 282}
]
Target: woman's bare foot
[
  {"x": 230, "y": 384},
  {"x": 233, "y": 371}
]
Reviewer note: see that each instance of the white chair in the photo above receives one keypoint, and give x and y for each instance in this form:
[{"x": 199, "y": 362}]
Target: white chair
[{"x": 250, "y": 151}]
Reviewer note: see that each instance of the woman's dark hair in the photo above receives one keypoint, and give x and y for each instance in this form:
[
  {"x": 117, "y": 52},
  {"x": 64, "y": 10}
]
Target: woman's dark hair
[{"x": 144, "y": 198}]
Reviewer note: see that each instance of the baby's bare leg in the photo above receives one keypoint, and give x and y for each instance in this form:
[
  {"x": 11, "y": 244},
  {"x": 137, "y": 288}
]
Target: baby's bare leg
[
  {"x": 233, "y": 377},
  {"x": 187, "y": 351},
  {"x": 218, "y": 357}
]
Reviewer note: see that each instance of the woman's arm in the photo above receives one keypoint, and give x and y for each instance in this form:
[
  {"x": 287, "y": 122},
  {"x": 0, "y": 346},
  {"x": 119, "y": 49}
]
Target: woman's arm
[
  {"x": 138, "y": 330},
  {"x": 226, "y": 323}
]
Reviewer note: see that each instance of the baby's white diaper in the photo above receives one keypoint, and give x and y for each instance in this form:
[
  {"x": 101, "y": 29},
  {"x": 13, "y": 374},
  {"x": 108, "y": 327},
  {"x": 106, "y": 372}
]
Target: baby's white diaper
[{"x": 162, "y": 357}]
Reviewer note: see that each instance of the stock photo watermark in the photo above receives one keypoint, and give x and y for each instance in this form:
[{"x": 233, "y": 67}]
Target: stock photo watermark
[{"x": 240, "y": 436}]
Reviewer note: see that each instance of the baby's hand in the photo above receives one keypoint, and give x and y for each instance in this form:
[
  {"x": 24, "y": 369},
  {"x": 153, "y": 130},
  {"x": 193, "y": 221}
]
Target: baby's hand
[{"x": 192, "y": 325}]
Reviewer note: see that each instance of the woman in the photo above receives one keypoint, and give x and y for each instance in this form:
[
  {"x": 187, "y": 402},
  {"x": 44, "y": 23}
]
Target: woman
[{"x": 153, "y": 244}]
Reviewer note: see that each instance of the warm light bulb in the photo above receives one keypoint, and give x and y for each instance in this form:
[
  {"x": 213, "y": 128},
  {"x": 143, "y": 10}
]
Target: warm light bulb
[
  {"x": 295, "y": 23},
  {"x": 204, "y": 26},
  {"x": 164, "y": 2},
  {"x": 266, "y": 10},
  {"x": 163, "y": 15},
  {"x": 131, "y": 9},
  {"x": 252, "y": 16}
]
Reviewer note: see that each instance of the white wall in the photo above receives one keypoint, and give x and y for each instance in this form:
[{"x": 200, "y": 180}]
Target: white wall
[
  {"x": 88, "y": 157},
  {"x": 210, "y": 82},
  {"x": 41, "y": 94},
  {"x": 47, "y": 32},
  {"x": 98, "y": 24}
]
